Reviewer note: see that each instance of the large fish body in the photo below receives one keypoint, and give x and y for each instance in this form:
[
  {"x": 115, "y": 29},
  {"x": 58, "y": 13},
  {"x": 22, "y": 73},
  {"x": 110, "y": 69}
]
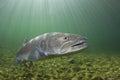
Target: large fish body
[{"x": 54, "y": 43}]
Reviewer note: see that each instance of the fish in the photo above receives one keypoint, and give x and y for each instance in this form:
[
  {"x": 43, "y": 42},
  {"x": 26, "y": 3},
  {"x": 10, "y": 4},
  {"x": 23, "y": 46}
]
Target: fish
[{"x": 47, "y": 44}]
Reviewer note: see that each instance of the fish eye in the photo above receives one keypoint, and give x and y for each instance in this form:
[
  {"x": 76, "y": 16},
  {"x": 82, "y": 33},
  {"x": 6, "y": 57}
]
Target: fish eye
[{"x": 66, "y": 38}]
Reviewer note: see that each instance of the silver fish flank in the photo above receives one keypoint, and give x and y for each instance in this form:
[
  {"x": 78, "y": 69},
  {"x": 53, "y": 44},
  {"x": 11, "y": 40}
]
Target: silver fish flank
[{"x": 54, "y": 43}]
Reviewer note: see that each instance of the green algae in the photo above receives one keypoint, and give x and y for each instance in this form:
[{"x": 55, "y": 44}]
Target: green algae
[{"x": 70, "y": 67}]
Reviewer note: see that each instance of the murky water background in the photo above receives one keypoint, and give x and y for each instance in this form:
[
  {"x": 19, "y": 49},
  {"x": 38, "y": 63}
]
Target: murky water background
[{"x": 98, "y": 20}]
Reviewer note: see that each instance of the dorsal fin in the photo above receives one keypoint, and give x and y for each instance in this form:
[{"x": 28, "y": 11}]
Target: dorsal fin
[{"x": 25, "y": 41}]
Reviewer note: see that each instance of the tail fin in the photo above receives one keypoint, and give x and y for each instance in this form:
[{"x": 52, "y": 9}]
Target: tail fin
[{"x": 17, "y": 61}]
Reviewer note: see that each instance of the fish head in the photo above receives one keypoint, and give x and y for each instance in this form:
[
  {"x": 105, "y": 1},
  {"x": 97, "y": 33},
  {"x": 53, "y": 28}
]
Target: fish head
[{"x": 63, "y": 43}]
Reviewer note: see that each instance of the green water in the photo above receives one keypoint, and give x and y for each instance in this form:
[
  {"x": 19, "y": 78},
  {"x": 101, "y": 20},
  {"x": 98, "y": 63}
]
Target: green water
[{"x": 98, "y": 20}]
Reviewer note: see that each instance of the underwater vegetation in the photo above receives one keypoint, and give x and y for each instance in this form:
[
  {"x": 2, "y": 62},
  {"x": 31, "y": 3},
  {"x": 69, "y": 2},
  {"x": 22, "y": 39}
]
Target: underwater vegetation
[{"x": 71, "y": 67}]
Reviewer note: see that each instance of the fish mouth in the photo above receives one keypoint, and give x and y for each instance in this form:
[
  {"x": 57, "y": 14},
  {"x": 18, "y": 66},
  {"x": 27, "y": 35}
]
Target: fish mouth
[{"x": 80, "y": 44}]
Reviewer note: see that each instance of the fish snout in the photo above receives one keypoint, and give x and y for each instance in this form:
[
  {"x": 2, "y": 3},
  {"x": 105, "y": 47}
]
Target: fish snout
[{"x": 83, "y": 38}]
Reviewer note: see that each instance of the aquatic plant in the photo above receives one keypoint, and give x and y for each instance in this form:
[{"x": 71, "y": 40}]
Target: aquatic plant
[{"x": 70, "y": 67}]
